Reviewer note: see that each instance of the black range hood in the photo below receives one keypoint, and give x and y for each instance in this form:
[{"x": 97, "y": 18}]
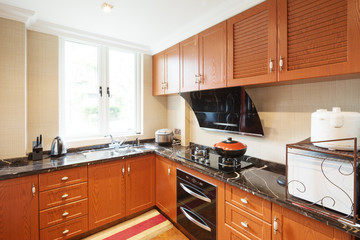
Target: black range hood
[{"x": 226, "y": 109}]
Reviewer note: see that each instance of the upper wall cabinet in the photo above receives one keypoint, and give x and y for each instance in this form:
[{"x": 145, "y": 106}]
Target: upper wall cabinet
[
  {"x": 252, "y": 45},
  {"x": 166, "y": 75},
  {"x": 203, "y": 60},
  {"x": 318, "y": 38}
]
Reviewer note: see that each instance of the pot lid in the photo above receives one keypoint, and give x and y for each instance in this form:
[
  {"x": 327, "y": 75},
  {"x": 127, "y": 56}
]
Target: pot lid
[
  {"x": 230, "y": 144},
  {"x": 163, "y": 131}
]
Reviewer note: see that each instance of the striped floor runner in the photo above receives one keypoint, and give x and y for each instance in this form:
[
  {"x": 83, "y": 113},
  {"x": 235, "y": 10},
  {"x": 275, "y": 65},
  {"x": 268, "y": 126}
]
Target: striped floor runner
[{"x": 145, "y": 226}]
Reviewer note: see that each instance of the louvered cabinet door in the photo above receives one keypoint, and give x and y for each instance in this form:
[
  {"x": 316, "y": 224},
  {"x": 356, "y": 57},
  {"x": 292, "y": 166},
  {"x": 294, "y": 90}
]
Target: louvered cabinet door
[
  {"x": 318, "y": 38},
  {"x": 252, "y": 45}
]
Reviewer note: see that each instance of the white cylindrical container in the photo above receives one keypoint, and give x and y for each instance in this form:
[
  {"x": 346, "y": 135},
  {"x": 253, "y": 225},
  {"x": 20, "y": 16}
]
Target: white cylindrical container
[{"x": 331, "y": 125}]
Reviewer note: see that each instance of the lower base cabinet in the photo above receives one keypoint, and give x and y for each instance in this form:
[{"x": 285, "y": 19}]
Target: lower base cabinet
[
  {"x": 166, "y": 186},
  {"x": 294, "y": 226},
  {"x": 19, "y": 217},
  {"x": 106, "y": 192}
]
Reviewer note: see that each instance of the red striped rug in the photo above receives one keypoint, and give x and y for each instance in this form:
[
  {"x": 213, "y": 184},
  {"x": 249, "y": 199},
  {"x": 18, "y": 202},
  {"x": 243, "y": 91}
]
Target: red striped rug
[{"x": 145, "y": 226}]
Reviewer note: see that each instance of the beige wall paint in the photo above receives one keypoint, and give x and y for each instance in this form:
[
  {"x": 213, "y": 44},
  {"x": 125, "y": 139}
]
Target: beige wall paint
[
  {"x": 285, "y": 112},
  {"x": 42, "y": 88},
  {"x": 12, "y": 89},
  {"x": 154, "y": 108}
]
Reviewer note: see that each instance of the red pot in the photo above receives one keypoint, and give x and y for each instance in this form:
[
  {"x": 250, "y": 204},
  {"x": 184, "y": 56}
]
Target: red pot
[{"x": 230, "y": 148}]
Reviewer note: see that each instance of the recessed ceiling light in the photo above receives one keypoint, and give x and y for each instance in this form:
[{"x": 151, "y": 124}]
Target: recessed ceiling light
[{"x": 106, "y": 7}]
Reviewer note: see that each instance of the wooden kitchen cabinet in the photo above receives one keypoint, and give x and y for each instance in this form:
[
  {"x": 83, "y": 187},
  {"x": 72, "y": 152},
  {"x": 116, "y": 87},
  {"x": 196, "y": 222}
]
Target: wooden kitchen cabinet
[
  {"x": 19, "y": 217},
  {"x": 189, "y": 64},
  {"x": 166, "y": 186},
  {"x": 212, "y": 57},
  {"x": 63, "y": 203},
  {"x": 246, "y": 216},
  {"x": 252, "y": 45},
  {"x": 166, "y": 71},
  {"x": 318, "y": 38},
  {"x": 158, "y": 63},
  {"x": 203, "y": 60},
  {"x": 140, "y": 183},
  {"x": 106, "y": 192},
  {"x": 291, "y": 225}
]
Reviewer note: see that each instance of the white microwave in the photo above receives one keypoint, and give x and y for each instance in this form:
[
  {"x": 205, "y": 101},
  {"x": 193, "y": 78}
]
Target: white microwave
[{"x": 322, "y": 179}]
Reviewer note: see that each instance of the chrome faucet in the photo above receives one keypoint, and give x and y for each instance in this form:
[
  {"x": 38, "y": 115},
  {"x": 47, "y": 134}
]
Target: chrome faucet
[{"x": 115, "y": 144}]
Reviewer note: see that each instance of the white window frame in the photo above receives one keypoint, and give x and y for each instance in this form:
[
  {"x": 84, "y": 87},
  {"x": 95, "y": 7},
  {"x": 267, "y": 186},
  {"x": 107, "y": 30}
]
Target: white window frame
[{"x": 103, "y": 78}]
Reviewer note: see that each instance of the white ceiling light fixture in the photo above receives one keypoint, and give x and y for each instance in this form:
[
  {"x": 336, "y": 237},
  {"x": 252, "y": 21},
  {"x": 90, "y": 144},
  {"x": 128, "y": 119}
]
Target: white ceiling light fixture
[{"x": 106, "y": 7}]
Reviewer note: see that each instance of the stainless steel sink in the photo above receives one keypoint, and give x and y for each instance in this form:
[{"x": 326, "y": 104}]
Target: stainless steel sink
[{"x": 110, "y": 153}]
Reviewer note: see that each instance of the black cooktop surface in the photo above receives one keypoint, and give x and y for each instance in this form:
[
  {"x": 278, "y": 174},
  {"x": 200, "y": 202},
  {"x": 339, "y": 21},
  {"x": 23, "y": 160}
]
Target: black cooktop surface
[{"x": 215, "y": 161}]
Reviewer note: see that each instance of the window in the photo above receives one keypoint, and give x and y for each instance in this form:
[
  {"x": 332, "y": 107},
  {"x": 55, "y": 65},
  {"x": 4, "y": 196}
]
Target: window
[{"x": 100, "y": 91}]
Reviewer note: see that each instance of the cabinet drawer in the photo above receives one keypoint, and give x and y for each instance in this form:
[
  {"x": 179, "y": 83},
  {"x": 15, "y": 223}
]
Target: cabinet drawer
[
  {"x": 246, "y": 223},
  {"x": 63, "y": 213},
  {"x": 255, "y": 205},
  {"x": 232, "y": 234},
  {"x": 56, "y": 197},
  {"x": 62, "y": 178},
  {"x": 65, "y": 230}
]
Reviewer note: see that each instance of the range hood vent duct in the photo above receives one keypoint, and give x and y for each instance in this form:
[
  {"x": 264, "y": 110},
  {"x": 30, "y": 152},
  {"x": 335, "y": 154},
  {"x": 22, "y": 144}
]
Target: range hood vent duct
[{"x": 226, "y": 110}]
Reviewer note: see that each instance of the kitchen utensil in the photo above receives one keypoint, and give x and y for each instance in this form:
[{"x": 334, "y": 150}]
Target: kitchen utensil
[
  {"x": 164, "y": 137},
  {"x": 230, "y": 148},
  {"x": 57, "y": 147},
  {"x": 330, "y": 125}
]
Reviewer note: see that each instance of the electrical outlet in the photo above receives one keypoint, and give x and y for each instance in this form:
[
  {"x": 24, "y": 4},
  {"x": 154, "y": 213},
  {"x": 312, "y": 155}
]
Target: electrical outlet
[{"x": 177, "y": 131}]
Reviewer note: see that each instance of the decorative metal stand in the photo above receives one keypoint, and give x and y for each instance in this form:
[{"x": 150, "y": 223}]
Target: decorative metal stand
[{"x": 302, "y": 191}]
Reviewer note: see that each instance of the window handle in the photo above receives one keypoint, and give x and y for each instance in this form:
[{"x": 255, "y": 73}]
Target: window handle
[
  {"x": 100, "y": 91},
  {"x": 108, "y": 91}
]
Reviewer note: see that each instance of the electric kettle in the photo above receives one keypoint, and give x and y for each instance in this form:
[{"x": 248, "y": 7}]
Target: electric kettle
[{"x": 57, "y": 147}]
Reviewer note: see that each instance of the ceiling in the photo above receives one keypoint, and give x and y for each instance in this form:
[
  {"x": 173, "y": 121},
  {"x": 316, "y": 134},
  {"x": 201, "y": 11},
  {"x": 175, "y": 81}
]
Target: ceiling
[{"x": 152, "y": 25}]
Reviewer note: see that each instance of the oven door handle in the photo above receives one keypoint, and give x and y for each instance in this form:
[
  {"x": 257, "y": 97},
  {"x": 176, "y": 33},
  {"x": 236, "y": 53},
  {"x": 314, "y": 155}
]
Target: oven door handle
[
  {"x": 186, "y": 189},
  {"x": 197, "y": 223}
]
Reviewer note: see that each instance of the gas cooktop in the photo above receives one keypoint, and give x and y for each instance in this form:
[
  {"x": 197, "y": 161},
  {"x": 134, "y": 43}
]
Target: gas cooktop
[{"x": 214, "y": 161}]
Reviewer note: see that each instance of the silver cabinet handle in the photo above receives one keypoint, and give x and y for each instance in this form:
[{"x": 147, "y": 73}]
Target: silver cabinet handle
[
  {"x": 199, "y": 224},
  {"x": 196, "y": 78},
  {"x": 129, "y": 169},
  {"x": 33, "y": 190},
  {"x": 202, "y": 197},
  {"x": 123, "y": 170},
  {"x": 281, "y": 63},
  {"x": 271, "y": 65},
  {"x": 64, "y": 178},
  {"x": 276, "y": 227},
  {"x": 64, "y": 196},
  {"x": 65, "y": 231},
  {"x": 244, "y": 200},
  {"x": 244, "y": 224},
  {"x": 65, "y": 214},
  {"x": 169, "y": 171}
]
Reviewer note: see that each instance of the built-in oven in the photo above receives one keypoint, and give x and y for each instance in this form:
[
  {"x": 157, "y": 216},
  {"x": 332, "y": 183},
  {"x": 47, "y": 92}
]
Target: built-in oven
[{"x": 196, "y": 206}]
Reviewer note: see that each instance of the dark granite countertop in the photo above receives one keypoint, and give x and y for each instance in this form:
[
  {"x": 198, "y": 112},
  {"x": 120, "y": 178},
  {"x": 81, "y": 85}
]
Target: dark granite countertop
[{"x": 260, "y": 180}]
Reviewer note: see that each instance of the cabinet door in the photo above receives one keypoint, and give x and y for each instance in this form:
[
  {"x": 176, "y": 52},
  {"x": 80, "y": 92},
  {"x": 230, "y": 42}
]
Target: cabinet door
[
  {"x": 172, "y": 69},
  {"x": 294, "y": 226},
  {"x": 252, "y": 45},
  {"x": 158, "y": 73},
  {"x": 318, "y": 38},
  {"x": 189, "y": 64},
  {"x": 140, "y": 183},
  {"x": 19, "y": 216},
  {"x": 166, "y": 186},
  {"x": 106, "y": 192},
  {"x": 212, "y": 46}
]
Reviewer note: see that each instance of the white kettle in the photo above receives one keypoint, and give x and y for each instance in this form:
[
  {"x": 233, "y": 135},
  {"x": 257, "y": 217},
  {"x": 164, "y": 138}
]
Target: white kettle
[{"x": 330, "y": 125}]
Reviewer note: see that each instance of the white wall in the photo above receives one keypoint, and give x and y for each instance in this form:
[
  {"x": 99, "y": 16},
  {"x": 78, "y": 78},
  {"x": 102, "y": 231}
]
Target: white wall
[{"x": 285, "y": 113}]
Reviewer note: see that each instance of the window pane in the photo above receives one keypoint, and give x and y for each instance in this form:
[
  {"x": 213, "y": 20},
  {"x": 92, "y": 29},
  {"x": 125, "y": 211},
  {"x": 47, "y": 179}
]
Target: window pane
[
  {"x": 81, "y": 102},
  {"x": 122, "y": 83}
]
